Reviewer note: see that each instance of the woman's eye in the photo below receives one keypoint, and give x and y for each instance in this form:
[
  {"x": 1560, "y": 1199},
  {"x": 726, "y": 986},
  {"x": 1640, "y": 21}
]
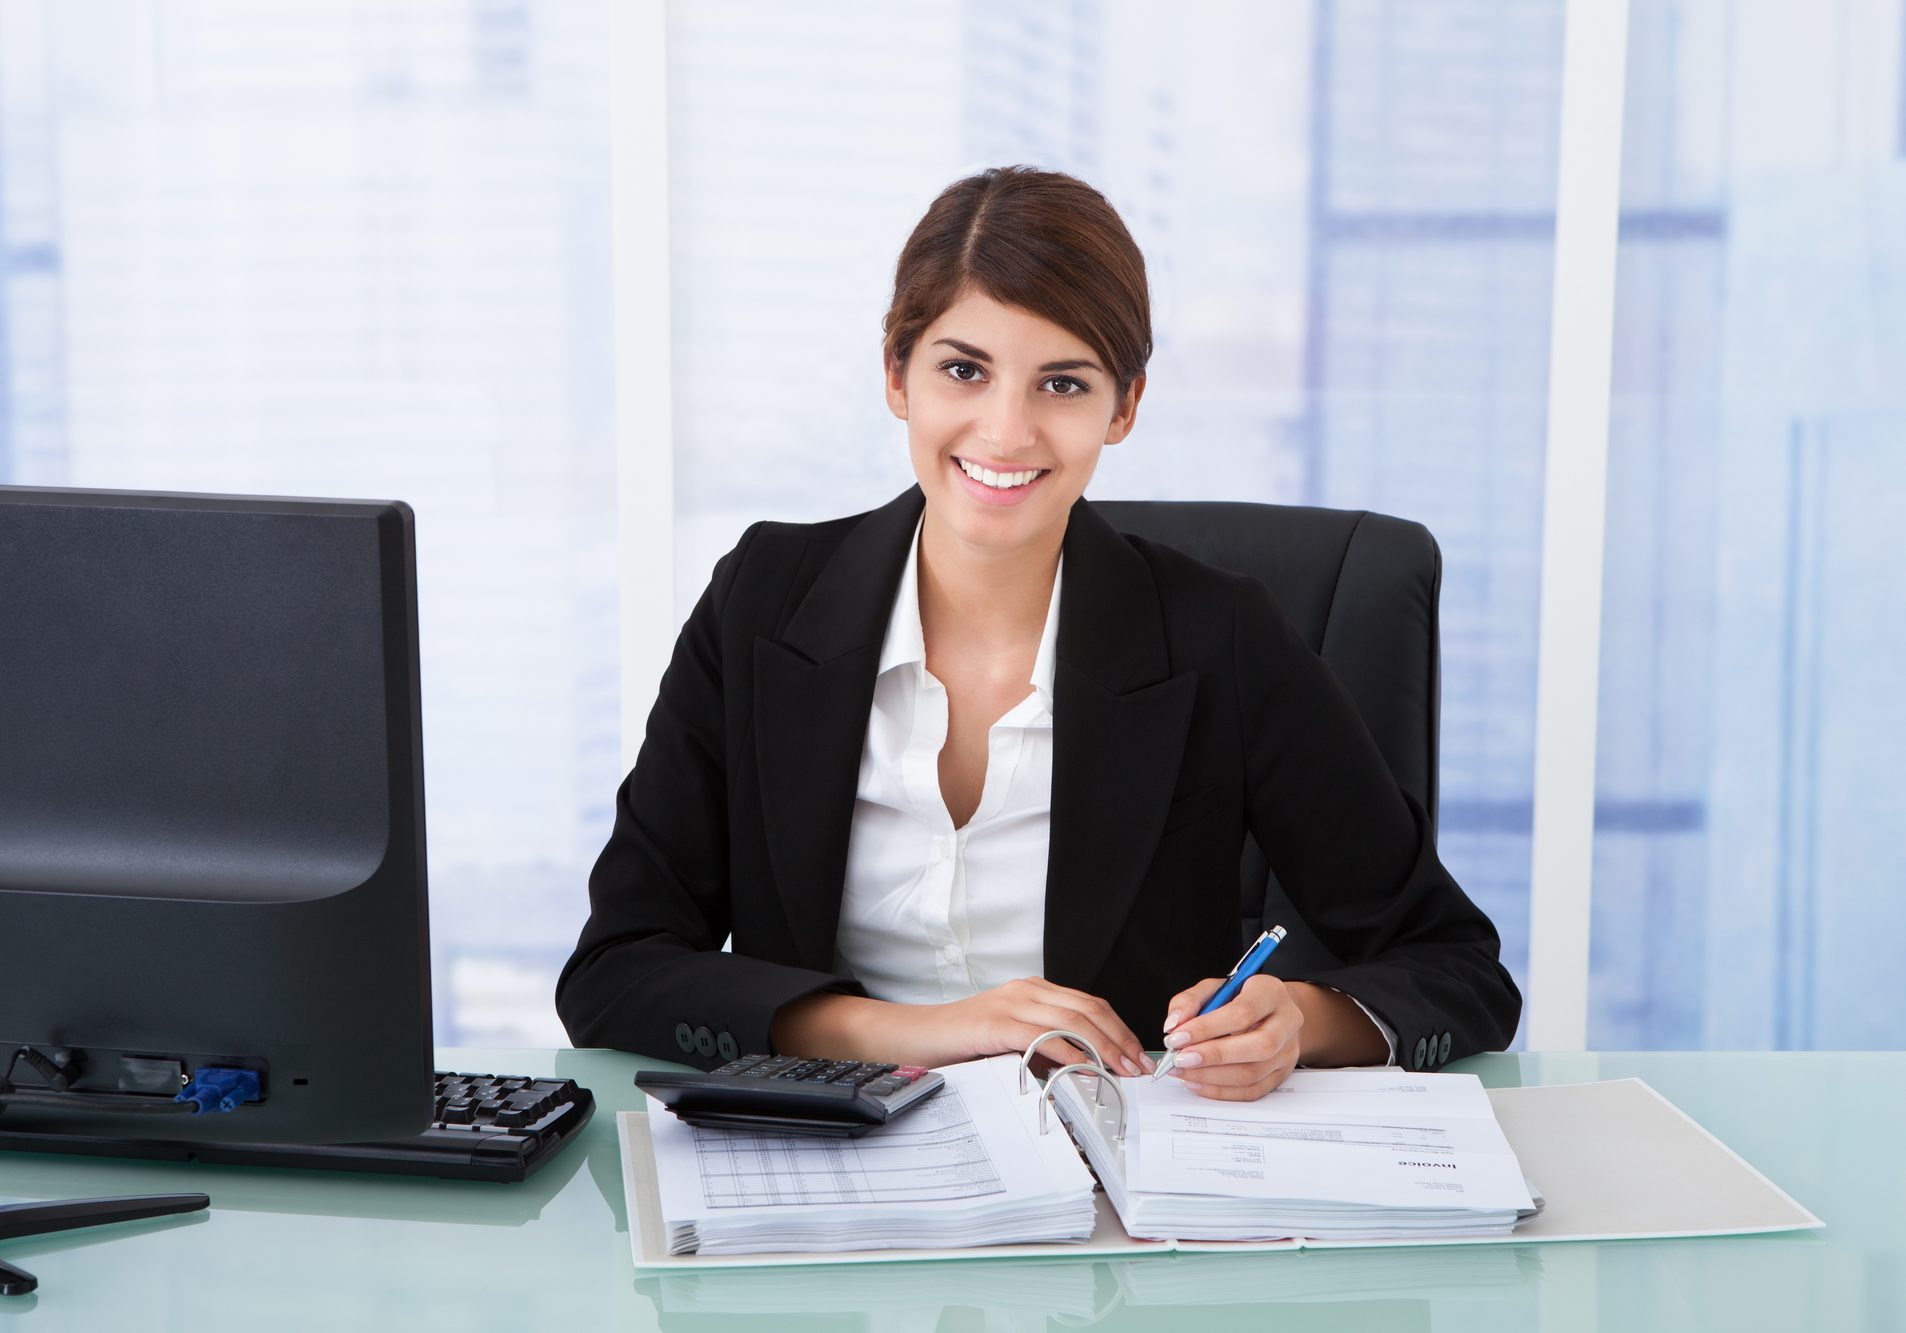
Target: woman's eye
[
  {"x": 1073, "y": 387},
  {"x": 955, "y": 367}
]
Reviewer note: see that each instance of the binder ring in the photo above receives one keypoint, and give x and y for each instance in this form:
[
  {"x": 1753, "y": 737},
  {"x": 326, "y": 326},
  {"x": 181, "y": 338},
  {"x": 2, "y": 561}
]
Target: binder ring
[
  {"x": 1025, "y": 1061},
  {"x": 1105, "y": 1081}
]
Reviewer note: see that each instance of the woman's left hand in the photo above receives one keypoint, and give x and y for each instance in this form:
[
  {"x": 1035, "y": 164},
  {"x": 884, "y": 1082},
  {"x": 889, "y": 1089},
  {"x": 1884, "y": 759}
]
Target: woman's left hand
[{"x": 1242, "y": 1050}]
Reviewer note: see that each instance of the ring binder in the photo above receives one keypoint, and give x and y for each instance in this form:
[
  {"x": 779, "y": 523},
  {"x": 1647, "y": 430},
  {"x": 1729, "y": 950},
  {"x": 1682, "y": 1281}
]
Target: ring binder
[
  {"x": 1105, "y": 1081},
  {"x": 1572, "y": 1137},
  {"x": 1093, "y": 1065},
  {"x": 1097, "y": 1061}
]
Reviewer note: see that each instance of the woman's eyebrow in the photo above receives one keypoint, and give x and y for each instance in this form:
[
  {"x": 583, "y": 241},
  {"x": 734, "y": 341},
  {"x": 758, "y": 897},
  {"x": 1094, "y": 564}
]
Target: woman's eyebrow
[{"x": 967, "y": 349}]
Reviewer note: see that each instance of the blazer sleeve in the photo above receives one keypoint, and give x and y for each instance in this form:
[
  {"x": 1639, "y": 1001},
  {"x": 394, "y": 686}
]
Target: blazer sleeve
[
  {"x": 649, "y": 974},
  {"x": 1356, "y": 853}
]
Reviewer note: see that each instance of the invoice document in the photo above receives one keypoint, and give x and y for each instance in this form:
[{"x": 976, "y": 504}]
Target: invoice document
[
  {"x": 1343, "y": 1154},
  {"x": 1377, "y": 1138},
  {"x": 967, "y": 1166}
]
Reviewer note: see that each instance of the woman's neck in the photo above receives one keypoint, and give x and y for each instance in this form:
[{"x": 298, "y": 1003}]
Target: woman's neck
[{"x": 984, "y": 597}]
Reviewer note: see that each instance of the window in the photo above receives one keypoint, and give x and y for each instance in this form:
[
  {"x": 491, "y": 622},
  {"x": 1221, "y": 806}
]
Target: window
[
  {"x": 356, "y": 249},
  {"x": 1749, "y": 797}
]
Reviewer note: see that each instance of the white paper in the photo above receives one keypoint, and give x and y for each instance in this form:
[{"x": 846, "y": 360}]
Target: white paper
[
  {"x": 1345, "y": 1154},
  {"x": 966, "y": 1166},
  {"x": 1372, "y": 1138}
]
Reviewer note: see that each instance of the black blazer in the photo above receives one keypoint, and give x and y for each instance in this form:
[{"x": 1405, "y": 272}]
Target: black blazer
[{"x": 1185, "y": 709}]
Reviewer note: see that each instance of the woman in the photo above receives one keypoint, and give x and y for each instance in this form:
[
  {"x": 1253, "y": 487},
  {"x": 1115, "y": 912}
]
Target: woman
[{"x": 973, "y": 765}]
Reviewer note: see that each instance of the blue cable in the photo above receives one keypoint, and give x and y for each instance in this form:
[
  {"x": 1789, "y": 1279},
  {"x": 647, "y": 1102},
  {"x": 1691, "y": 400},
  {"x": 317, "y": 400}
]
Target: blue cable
[{"x": 220, "y": 1089}]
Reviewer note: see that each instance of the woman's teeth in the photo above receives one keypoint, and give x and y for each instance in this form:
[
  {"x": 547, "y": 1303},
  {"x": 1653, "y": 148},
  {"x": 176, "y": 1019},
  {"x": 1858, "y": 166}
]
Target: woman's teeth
[{"x": 1000, "y": 481}]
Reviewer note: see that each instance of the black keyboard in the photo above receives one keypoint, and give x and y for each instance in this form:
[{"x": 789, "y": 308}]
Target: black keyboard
[{"x": 488, "y": 1127}]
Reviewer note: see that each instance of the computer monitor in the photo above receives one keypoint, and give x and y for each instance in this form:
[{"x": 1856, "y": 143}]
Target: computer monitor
[{"x": 211, "y": 816}]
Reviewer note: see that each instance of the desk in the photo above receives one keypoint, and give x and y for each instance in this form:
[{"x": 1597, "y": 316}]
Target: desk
[{"x": 308, "y": 1250}]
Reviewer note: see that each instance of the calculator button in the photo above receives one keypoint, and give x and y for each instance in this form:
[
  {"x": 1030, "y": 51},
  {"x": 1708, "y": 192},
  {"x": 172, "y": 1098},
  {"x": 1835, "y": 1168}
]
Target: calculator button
[
  {"x": 911, "y": 1072},
  {"x": 880, "y": 1087}
]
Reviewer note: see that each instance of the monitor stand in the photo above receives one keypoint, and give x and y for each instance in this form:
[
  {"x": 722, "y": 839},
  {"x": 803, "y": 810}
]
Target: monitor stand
[{"x": 37, "y": 1219}]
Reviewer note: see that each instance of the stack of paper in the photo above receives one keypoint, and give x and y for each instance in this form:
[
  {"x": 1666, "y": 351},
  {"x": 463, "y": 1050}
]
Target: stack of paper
[
  {"x": 966, "y": 1167},
  {"x": 1359, "y": 1154}
]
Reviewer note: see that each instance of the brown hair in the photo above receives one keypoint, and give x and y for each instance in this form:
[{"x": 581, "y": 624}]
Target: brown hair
[{"x": 1041, "y": 240}]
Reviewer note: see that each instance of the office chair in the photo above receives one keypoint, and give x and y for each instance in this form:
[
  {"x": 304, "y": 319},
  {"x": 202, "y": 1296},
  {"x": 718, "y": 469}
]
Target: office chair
[{"x": 1361, "y": 589}]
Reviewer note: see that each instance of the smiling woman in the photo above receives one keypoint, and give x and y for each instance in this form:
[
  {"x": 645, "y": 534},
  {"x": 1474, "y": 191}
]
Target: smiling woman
[
  {"x": 1026, "y": 299},
  {"x": 973, "y": 765}
]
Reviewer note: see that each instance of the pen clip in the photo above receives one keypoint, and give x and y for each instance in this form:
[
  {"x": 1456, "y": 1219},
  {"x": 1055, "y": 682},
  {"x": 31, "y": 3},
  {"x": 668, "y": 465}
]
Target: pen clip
[{"x": 1251, "y": 949}]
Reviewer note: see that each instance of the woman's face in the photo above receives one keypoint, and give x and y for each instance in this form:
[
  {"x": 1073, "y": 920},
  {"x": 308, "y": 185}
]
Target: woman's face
[{"x": 993, "y": 388}]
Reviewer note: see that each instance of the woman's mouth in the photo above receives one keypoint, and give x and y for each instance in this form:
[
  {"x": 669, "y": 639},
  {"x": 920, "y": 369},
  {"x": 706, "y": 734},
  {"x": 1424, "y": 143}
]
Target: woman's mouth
[{"x": 992, "y": 487}]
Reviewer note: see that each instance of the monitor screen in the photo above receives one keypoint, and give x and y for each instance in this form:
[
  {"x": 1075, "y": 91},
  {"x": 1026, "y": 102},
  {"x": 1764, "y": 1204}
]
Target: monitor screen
[{"x": 211, "y": 814}]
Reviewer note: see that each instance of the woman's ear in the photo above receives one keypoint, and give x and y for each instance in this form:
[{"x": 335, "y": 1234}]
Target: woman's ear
[
  {"x": 895, "y": 376},
  {"x": 1122, "y": 420}
]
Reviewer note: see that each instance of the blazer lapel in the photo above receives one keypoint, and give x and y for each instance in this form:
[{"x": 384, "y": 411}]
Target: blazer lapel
[
  {"x": 1119, "y": 725},
  {"x": 813, "y": 689}
]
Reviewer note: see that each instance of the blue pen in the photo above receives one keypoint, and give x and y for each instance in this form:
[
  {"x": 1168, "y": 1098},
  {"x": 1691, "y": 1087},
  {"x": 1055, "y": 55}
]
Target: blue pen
[{"x": 1248, "y": 966}]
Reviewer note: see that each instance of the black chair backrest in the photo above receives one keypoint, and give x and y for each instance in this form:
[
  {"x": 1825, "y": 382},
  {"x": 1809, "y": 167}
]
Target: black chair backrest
[{"x": 1361, "y": 588}]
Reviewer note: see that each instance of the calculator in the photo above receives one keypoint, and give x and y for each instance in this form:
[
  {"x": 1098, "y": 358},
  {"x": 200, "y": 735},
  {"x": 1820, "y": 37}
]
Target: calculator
[{"x": 788, "y": 1094}]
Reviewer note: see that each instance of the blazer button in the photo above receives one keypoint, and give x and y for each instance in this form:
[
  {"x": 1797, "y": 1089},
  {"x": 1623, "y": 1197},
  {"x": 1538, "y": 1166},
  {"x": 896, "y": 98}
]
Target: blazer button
[
  {"x": 684, "y": 1036},
  {"x": 704, "y": 1041},
  {"x": 725, "y": 1043},
  {"x": 1422, "y": 1049},
  {"x": 1442, "y": 1057}
]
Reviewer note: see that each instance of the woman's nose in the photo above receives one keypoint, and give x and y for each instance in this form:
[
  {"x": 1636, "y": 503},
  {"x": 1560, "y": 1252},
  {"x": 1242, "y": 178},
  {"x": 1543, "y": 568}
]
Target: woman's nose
[{"x": 1006, "y": 426}]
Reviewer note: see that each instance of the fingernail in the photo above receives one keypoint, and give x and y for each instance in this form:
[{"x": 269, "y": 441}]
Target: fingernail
[
  {"x": 1125, "y": 1066},
  {"x": 1146, "y": 1060},
  {"x": 1189, "y": 1059},
  {"x": 1173, "y": 1019},
  {"x": 1174, "y": 1040}
]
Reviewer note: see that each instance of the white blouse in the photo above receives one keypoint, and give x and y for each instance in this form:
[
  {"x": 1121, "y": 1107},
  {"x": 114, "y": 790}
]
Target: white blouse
[{"x": 932, "y": 913}]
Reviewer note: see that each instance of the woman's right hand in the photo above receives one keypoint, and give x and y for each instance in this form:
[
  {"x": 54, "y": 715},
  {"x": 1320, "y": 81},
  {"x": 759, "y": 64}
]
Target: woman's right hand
[{"x": 1006, "y": 1018}]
